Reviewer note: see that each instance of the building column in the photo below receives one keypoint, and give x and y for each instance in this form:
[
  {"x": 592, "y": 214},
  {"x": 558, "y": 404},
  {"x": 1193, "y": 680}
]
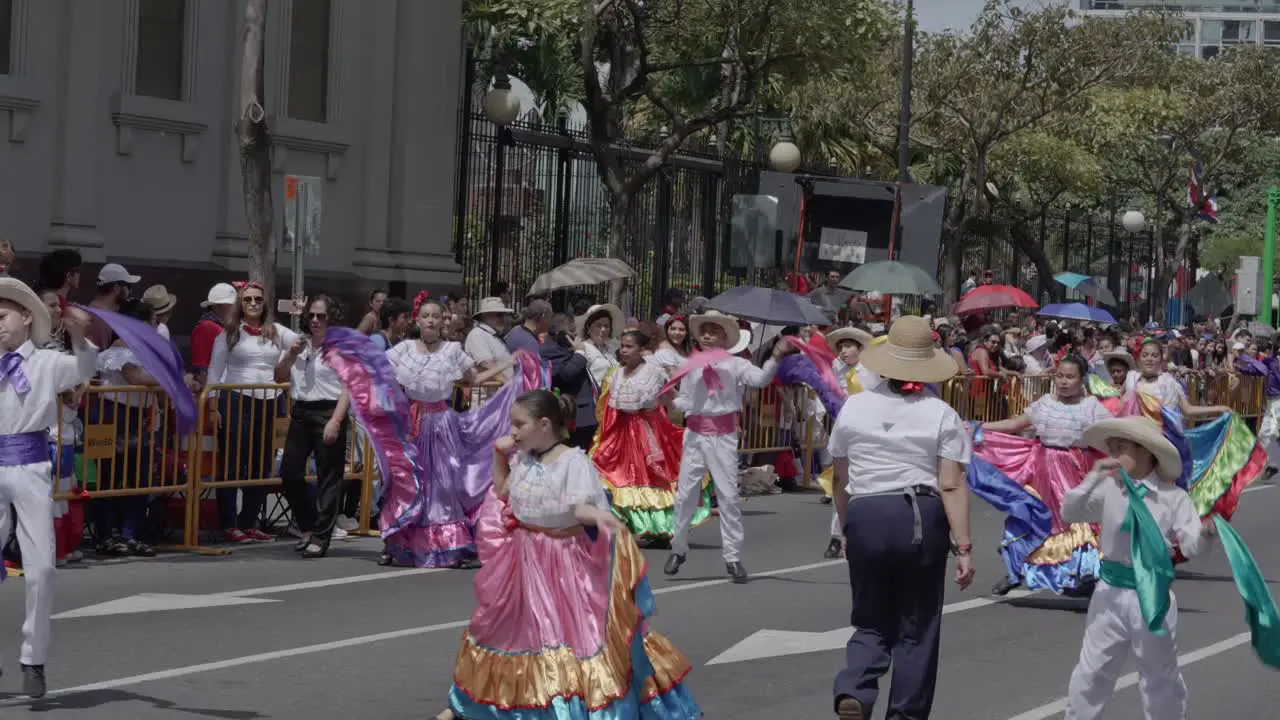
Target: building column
[
  {"x": 420, "y": 187},
  {"x": 83, "y": 119}
]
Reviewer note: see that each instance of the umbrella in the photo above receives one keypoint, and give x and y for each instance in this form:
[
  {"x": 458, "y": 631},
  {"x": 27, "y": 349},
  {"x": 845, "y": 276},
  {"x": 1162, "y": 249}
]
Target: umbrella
[
  {"x": 891, "y": 277},
  {"x": 581, "y": 271},
  {"x": 770, "y": 307},
  {"x": 1077, "y": 311},
  {"x": 1087, "y": 287},
  {"x": 993, "y": 297},
  {"x": 1260, "y": 330},
  {"x": 1209, "y": 296}
]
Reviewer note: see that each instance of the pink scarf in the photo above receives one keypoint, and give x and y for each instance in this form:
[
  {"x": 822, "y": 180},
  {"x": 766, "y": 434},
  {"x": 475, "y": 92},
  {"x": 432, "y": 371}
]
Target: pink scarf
[{"x": 703, "y": 360}]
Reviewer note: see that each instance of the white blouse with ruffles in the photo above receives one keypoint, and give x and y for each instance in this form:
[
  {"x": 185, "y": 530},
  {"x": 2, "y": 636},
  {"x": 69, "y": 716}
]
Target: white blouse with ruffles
[
  {"x": 1062, "y": 425},
  {"x": 429, "y": 376},
  {"x": 545, "y": 495},
  {"x": 111, "y": 365},
  {"x": 638, "y": 390}
]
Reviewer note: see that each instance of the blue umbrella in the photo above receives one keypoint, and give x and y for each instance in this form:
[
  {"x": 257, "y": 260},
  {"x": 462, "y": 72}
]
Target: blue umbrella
[
  {"x": 1078, "y": 311},
  {"x": 1087, "y": 287},
  {"x": 770, "y": 307}
]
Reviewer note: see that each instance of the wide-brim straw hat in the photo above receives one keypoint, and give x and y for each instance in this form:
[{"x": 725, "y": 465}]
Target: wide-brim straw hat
[
  {"x": 616, "y": 319},
  {"x": 1119, "y": 356},
  {"x": 909, "y": 354},
  {"x": 160, "y": 299},
  {"x": 862, "y": 337},
  {"x": 1144, "y": 432},
  {"x": 728, "y": 323},
  {"x": 492, "y": 306},
  {"x": 17, "y": 292}
]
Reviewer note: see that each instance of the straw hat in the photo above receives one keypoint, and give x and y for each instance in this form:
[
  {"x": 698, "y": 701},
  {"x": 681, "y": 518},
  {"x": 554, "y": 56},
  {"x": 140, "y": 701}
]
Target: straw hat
[
  {"x": 159, "y": 298},
  {"x": 1120, "y": 356},
  {"x": 615, "y": 319},
  {"x": 909, "y": 354},
  {"x": 862, "y": 337},
  {"x": 1144, "y": 432},
  {"x": 732, "y": 333},
  {"x": 16, "y": 291},
  {"x": 492, "y": 306}
]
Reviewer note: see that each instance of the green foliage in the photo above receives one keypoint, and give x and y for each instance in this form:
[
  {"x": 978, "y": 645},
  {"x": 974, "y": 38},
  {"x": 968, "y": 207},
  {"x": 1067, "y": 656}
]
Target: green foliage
[{"x": 1242, "y": 201}]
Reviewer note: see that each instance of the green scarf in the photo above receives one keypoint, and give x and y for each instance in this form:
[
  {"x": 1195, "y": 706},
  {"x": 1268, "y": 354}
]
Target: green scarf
[
  {"x": 1151, "y": 575},
  {"x": 1259, "y": 608}
]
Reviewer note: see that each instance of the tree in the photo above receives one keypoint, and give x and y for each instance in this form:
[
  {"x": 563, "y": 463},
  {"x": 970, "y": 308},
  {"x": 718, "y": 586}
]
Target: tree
[
  {"x": 1242, "y": 205},
  {"x": 255, "y": 150},
  {"x": 1193, "y": 113}
]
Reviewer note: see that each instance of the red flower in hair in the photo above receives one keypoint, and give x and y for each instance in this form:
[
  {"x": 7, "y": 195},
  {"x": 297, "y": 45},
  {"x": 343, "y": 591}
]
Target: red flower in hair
[{"x": 419, "y": 299}]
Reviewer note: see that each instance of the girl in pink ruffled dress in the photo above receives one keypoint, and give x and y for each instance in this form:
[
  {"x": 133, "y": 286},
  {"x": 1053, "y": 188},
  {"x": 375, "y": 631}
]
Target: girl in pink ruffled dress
[{"x": 562, "y": 599}]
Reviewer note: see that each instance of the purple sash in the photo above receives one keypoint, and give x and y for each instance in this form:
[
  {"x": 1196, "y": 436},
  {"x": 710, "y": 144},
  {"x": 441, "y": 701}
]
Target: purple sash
[{"x": 24, "y": 448}]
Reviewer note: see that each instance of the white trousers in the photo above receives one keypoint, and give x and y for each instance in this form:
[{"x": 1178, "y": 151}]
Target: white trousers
[
  {"x": 29, "y": 489},
  {"x": 836, "y": 530},
  {"x": 717, "y": 454},
  {"x": 1114, "y": 630},
  {"x": 1269, "y": 430}
]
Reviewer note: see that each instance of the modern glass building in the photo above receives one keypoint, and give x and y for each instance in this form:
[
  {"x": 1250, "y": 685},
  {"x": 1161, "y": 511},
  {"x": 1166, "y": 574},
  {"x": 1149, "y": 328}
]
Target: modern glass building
[{"x": 1211, "y": 24}]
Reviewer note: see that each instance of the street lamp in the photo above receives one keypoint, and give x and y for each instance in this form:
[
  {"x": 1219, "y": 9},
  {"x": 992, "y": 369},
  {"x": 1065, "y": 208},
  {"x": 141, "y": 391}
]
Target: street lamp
[
  {"x": 1133, "y": 221},
  {"x": 785, "y": 155},
  {"x": 501, "y": 105}
]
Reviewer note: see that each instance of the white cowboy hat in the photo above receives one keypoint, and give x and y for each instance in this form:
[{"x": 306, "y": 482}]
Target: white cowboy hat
[
  {"x": 728, "y": 323},
  {"x": 492, "y": 306},
  {"x": 615, "y": 320},
  {"x": 1035, "y": 342},
  {"x": 909, "y": 354},
  {"x": 17, "y": 292},
  {"x": 744, "y": 340},
  {"x": 1119, "y": 356},
  {"x": 1140, "y": 430},
  {"x": 862, "y": 337}
]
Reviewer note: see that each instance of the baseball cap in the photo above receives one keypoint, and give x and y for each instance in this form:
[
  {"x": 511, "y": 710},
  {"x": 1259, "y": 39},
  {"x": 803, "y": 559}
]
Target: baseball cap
[
  {"x": 115, "y": 273},
  {"x": 220, "y": 294}
]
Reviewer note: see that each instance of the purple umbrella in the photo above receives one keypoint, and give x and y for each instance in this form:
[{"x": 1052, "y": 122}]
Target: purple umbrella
[{"x": 1078, "y": 311}]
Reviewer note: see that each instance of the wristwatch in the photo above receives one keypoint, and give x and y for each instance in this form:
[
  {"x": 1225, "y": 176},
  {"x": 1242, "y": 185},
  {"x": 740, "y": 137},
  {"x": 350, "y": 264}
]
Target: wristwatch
[{"x": 961, "y": 550}]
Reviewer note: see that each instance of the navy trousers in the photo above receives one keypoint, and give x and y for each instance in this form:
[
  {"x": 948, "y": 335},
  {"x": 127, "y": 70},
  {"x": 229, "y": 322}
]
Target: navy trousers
[{"x": 897, "y": 590}]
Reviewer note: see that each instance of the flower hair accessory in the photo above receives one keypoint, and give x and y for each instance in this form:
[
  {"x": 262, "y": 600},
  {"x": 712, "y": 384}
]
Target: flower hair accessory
[
  {"x": 419, "y": 300},
  {"x": 241, "y": 285}
]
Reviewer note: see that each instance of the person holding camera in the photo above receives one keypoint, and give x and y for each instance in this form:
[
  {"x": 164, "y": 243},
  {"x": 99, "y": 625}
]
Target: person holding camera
[{"x": 570, "y": 376}]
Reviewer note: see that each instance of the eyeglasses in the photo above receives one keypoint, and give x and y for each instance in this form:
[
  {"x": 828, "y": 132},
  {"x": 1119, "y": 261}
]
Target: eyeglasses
[
  {"x": 317, "y": 316},
  {"x": 251, "y": 300}
]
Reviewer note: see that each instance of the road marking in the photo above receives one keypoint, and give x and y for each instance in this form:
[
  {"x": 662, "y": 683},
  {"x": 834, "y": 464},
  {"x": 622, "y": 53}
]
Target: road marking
[
  {"x": 779, "y": 643},
  {"x": 1251, "y": 488},
  {"x": 1059, "y": 706},
  {"x": 358, "y": 641},
  {"x": 162, "y": 602}
]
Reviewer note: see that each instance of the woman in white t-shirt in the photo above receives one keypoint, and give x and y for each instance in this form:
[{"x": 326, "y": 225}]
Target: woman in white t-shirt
[
  {"x": 899, "y": 453},
  {"x": 245, "y": 354}
]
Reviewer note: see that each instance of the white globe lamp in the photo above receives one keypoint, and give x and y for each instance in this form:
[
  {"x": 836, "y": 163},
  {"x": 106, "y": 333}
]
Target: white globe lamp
[
  {"x": 1133, "y": 221},
  {"x": 501, "y": 105},
  {"x": 784, "y": 156}
]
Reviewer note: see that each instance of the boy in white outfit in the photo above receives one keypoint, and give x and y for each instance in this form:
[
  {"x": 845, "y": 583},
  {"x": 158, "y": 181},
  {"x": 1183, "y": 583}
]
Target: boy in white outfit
[
  {"x": 848, "y": 344},
  {"x": 711, "y": 436},
  {"x": 30, "y": 380},
  {"x": 1116, "y": 624}
]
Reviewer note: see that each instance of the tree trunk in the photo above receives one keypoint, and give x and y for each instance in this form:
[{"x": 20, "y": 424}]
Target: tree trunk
[
  {"x": 619, "y": 237},
  {"x": 1168, "y": 267},
  {"x": 255, "y": 150},
  {"x": 952, "y": 254},
  {"x": 1019, "y": 238}
]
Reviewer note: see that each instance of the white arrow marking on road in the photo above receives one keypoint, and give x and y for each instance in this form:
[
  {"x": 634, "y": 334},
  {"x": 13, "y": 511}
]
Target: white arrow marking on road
[
  {"x": 780, "y": 643},
  {"x": 160, "y": 602}
]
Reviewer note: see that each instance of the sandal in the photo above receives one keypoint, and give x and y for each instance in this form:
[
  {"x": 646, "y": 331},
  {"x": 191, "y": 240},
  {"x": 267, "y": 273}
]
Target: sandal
[
  {"x": 314, "y": 550},
  {"x": 302, "y": 544},
  {"x": 115, "y": 547},
  {"x": 137, "y": 548}
]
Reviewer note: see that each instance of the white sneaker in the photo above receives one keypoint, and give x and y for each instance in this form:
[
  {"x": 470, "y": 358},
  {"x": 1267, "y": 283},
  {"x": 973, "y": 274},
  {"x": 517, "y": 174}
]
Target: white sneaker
[
  {"x": 338, "y": 534},
  {"x": 347, "y": 523},
  {"x": 75, "y": 556}
]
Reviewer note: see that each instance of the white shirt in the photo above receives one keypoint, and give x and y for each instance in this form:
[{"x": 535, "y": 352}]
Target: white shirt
[
  {"x": 484, "y": 345},
  {"x": 1062, "y": 425},
  {"x": 736, "y": 374},
  {"x": 636, "y": 390},
  {"x": 894, "y": 441},
  {"x": 1101, "y": 499},
  {"x": 111, "y": 365},
  {"x": 49, "y": 372},
  {"x": 600, "y": 360},
  {"x": 251, "y": 362},
  {"x": 667, "y": 358},
  {"x": 1164, "y": 388},
  {"x": 311, "y": 379},
  {"x": 545, "y": 495},
  {"x": 163, "y": 330}
]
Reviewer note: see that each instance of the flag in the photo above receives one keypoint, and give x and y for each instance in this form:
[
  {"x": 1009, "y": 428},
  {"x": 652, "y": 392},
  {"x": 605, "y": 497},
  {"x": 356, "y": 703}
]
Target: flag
[{"x": 1206, "y": 206}]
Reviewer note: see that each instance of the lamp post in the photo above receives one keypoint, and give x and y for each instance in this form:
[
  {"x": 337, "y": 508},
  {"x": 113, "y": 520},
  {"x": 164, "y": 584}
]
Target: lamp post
[
  {"x": 502, "y": 107},
  {"x": 784, "y": 156}
]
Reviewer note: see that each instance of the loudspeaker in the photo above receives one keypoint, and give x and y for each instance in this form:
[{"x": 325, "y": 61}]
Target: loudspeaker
[{"x": 1249, "y": 286}]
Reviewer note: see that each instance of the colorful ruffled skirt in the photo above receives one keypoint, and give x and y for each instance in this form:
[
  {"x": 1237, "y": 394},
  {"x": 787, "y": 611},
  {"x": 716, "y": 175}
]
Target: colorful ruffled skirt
[
  {"x": 560, "y": 630},
  {"x": 1026, "y": 480},
  {"x": 638, "y": 457}
]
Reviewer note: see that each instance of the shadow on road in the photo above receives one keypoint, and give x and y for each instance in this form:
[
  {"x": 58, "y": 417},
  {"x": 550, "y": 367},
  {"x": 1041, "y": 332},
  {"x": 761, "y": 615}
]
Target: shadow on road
[{"x": 96, "y": 699}]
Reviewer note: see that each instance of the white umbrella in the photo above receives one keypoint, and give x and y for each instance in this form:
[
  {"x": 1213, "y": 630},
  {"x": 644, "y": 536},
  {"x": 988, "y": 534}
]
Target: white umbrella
[{"x": 582, "y": 271}]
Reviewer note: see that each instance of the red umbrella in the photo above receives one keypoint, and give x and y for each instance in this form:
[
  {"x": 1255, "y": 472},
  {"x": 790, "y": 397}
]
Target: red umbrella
[{"x": 992, "y": 297}]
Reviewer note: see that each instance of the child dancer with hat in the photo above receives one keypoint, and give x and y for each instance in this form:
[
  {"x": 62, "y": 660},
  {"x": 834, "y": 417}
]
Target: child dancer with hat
[
  {"x": 30, "y": 379},
  {"x": 711, "y": 387},
  {"x": 1133, "y": 495}
]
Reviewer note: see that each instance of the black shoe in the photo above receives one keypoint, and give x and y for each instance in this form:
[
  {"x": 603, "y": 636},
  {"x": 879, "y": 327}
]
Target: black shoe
[
  {"x": 825, "y": 500},
  {"x": 834, "y": 549},
  {"x": 385, "y": 559},
  {"x": 674, "y": 561},
  {"x": 737, "y": 571},
  {"x": 1003, "y": 587},
  {"x": 301, "y": 545},
  {"x": 33, "y": 681},
  {"x": 849, "y": 709},
  {"x": 137, "y": 548},
  {"x": 314, "y": 550}
]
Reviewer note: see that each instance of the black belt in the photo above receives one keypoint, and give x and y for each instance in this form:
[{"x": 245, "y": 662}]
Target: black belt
[
  {"x": 911, "y": 492},
  {"x": 315, "y": 404}
]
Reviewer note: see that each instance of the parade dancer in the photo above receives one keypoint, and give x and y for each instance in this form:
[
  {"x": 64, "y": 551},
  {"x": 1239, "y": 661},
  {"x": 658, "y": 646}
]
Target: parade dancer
[
  {"x": 1110, "y": 388},
  {"x": 637, "y": 448},
  {"x": 30, "y": 381},
  {"x": 1027, "y": 478},
  {"x": 1133, "y": 495},
  {"x": 849, "y": 344},
  {"x": 560, "y": 628},
  {"x": 711, "y": 385}
]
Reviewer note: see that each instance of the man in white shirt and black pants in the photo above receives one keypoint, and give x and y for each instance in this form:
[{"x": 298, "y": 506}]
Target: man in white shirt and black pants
[
  {"x": 317, "y": 424},
  {"x": 900, "y": 493}
]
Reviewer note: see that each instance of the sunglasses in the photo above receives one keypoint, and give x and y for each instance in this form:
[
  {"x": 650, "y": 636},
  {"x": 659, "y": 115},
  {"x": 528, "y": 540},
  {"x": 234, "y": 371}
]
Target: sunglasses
[
  {"x": 251, "y": 300},
  {"x": 317, "y": 316}
]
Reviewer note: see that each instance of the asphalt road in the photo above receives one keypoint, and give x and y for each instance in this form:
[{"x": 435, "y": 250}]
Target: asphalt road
[{"x": 262, "y": 634}]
